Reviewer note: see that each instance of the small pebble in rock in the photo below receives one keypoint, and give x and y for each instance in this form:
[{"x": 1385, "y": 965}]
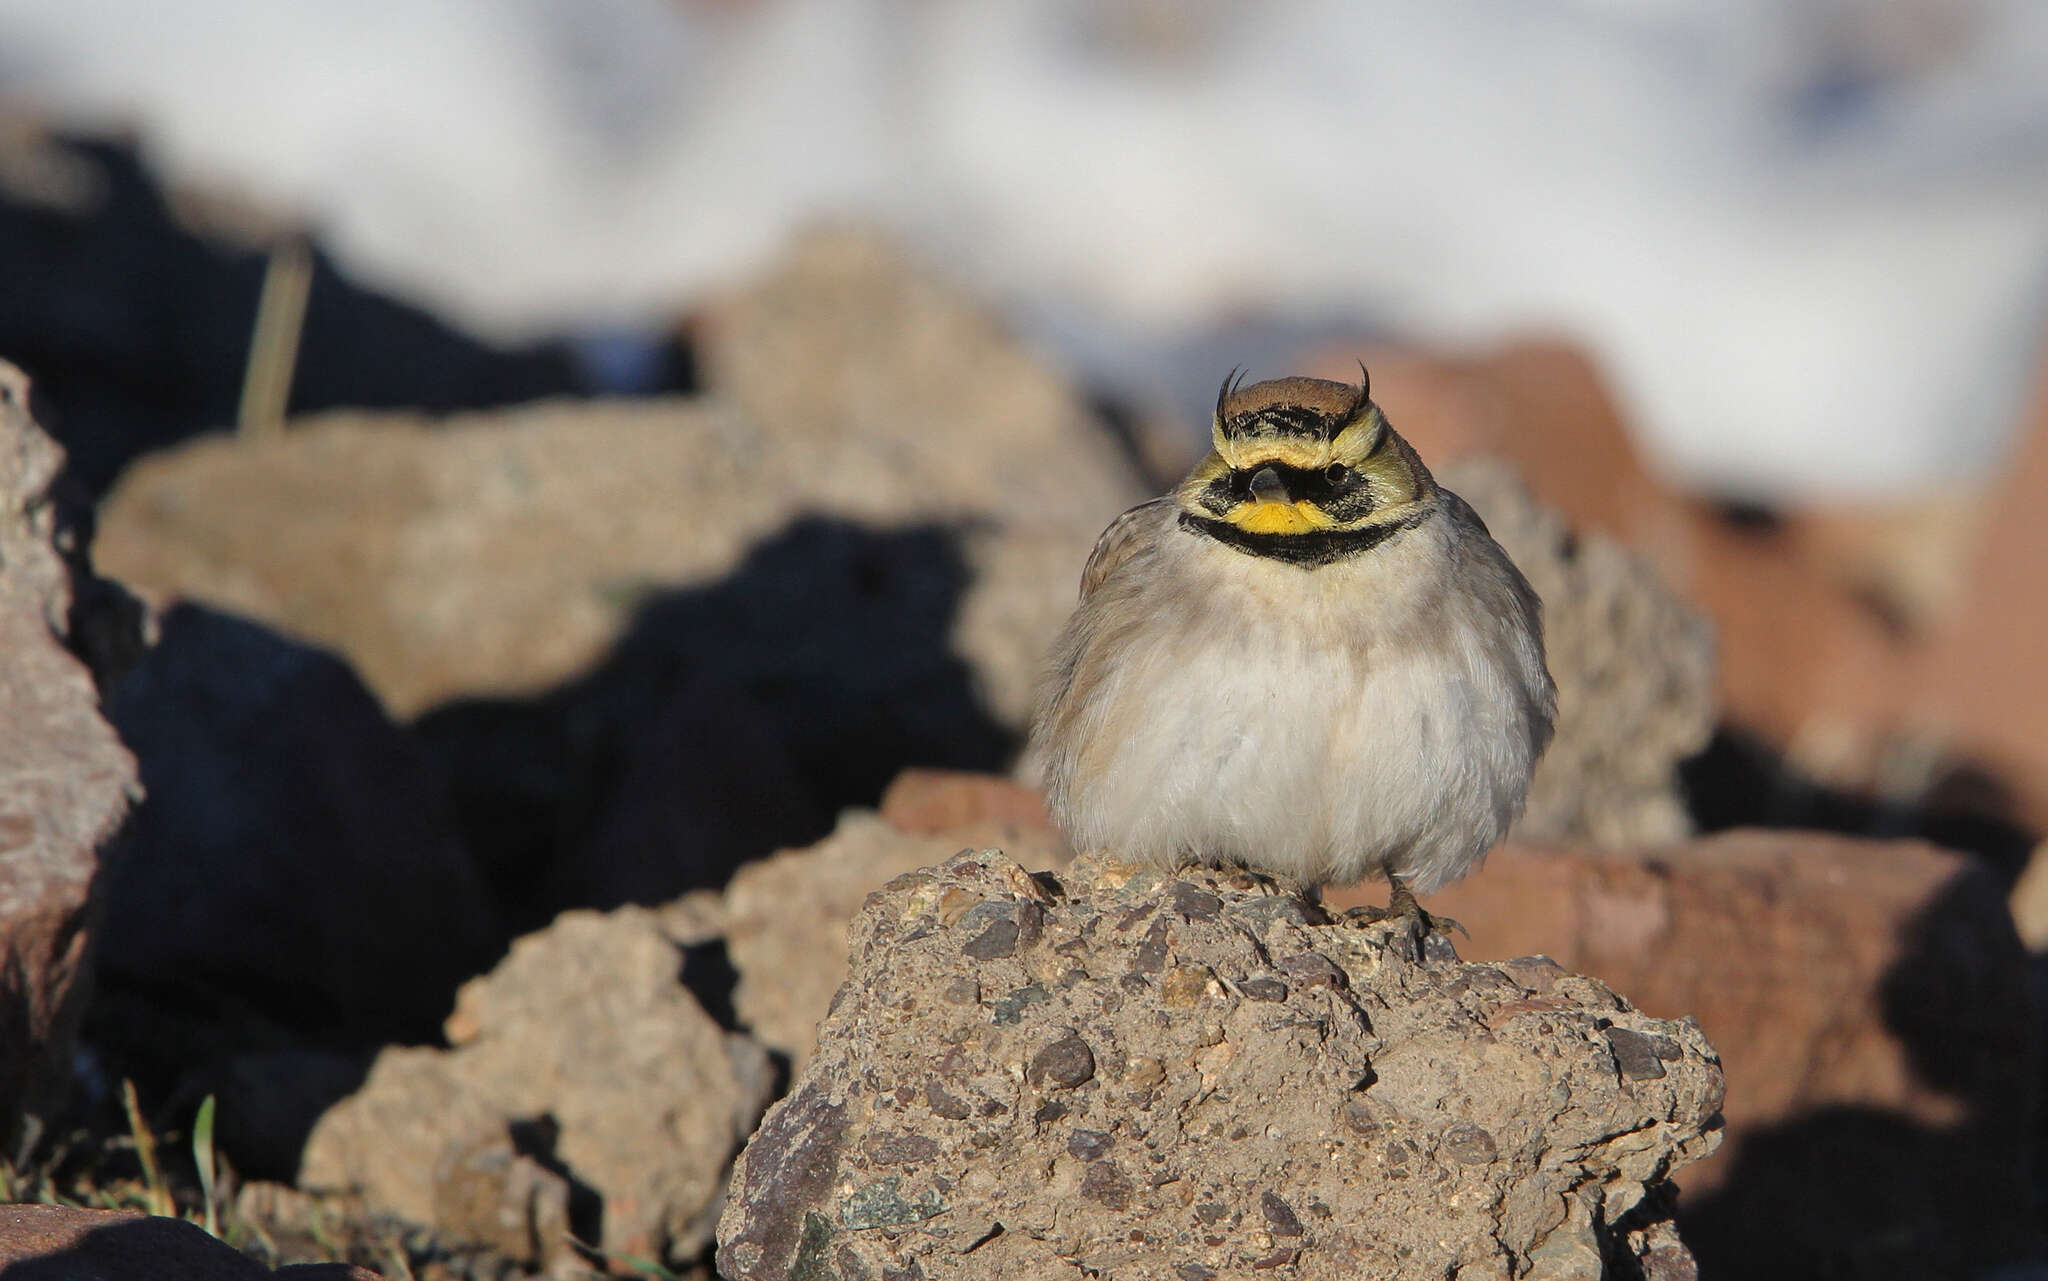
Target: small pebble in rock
[
  {"x": 993, "y": 943},
  {"x": 1635, "y": 1054},
  {"x": 1150, "y": 957},
  {"x": 1468, "y": 1144},
  {"x": 1185, "y": 986},
  {"x": 1064, "y": 1064},
  {"x": 1107, "y": 1186},
  {"x": 1312, "y": 970},
  {"x": 1358, "y": 1117},
  {"x": 1279, "y": 1215},
  {"x": 1195, "y": 904}
]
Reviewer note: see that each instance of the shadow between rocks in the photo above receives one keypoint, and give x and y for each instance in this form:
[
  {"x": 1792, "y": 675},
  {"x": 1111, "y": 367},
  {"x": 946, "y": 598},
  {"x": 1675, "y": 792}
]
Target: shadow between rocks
[
  {"x": 294, "y": 892},
  {"x": 1864, "y": 1193},
  {"x": 1741, "y": 781},
  {"x": 308, "y": 882},
  {"x": 728, "y": 721}
]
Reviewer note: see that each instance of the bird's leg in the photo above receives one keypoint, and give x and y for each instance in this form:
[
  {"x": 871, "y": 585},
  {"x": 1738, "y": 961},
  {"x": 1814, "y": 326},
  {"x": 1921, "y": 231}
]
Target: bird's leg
[{"x": 1401, "y": 903}]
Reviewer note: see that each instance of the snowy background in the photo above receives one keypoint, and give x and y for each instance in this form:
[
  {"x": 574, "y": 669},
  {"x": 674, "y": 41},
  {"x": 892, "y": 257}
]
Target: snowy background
[{"x": 1805, "y": 239}]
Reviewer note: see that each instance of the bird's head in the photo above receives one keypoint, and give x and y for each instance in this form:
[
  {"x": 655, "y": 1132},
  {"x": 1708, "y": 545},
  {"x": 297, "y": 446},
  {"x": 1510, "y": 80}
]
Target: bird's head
[{"x": 1304, "y": 469}]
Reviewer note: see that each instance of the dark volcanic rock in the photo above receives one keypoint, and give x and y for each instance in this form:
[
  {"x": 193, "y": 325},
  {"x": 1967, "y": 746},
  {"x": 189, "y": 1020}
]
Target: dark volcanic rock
[{"x": 1368, "y": 1115}]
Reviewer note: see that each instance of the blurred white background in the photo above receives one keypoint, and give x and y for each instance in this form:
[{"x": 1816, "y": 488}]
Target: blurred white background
[{"x": 1806, "y": 239}]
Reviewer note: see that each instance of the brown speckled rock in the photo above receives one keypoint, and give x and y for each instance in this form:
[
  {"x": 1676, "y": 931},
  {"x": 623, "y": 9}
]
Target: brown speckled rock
[
  {"x": 1173, "y": 1077},
  {"x": 785, "y": 918}
]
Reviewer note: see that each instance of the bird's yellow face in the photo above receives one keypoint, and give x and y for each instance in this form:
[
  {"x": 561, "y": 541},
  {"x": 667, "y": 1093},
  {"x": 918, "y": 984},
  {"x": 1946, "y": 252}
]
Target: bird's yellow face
[{"x": 1304, "y": 470}]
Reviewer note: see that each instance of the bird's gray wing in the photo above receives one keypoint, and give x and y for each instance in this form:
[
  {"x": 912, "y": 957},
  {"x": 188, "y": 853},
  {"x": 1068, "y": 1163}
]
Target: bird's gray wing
[{"x": 1123, "y": 537}]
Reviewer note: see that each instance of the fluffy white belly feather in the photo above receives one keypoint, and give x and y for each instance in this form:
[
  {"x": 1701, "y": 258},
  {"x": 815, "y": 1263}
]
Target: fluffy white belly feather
[{"x": 1290, "y": 730}]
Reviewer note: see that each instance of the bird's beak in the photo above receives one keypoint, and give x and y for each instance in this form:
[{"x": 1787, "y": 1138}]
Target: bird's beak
[{"x": 1273, "y": 510}]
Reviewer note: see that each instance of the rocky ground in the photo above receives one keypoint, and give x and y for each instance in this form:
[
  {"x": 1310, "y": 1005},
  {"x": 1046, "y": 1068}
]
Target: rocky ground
[
  {"x": 1113, "y": 1071},
  {"x": 486, "y": 811}
]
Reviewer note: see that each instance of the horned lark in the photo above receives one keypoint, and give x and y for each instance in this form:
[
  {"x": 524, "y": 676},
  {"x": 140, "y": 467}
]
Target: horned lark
[{"x": 1308, "y": 660}]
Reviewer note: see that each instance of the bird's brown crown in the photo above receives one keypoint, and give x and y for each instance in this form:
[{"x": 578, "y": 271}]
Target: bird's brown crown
[{"x": 1311, "y": 407}]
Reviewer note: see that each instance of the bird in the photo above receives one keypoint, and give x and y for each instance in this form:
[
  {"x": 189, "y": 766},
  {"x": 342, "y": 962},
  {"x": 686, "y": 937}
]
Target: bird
[{"x": 1308, "y": 661}]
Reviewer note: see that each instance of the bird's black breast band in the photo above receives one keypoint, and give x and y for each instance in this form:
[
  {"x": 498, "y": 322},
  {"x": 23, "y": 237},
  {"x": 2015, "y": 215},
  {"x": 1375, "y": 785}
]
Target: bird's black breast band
[{"x": 1323, "y": 547}]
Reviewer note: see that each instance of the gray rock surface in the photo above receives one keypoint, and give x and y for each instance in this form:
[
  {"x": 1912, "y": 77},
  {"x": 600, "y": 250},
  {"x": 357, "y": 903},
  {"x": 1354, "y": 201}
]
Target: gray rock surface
[
  {"x": 66, "y": 782},
  {"x": 582, "y": 1067},
  {"x": 1127, "y": 1075},
  {"x": 1634, "y": 667}
]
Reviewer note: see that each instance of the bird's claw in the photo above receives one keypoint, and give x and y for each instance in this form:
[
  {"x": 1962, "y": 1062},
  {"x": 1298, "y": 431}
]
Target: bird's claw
[
  {"x": 1424, "y": 928},
  {"x": 1443, "y": 925}
]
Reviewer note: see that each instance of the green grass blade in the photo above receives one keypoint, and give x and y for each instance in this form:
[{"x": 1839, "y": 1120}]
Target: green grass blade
[{"x": 202, "y": 1156}]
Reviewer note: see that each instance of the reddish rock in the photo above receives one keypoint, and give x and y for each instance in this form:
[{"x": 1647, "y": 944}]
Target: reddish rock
[
  {"x": 1907, "y": 557},
  {"x": 1870, "y": 1002},
  {"x": 927, "y": 802},
  {"x": 1541, "y": 406},
  {"x": 66, "y": 782},
  {"x": 61, "y": 1243},
  {"x": 1804, "y": 663},
  {"x": 1983, "y": 679}
]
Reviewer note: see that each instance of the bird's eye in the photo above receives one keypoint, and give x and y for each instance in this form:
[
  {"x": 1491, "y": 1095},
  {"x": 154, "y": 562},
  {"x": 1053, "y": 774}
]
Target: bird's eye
[{"x": 1336, "y": 473}]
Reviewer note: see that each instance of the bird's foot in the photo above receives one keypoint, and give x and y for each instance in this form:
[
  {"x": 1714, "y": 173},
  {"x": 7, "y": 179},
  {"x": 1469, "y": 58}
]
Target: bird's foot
[
  {"x": 1428, "y": 934},
  {"x": 1424, "y": 922}
]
